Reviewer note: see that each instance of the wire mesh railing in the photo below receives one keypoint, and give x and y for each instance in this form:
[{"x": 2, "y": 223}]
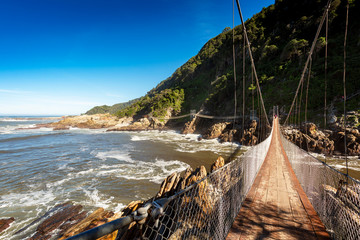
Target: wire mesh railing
[
  {"x": 334, "y": 195},
  {"x": 207, "y": 210}
]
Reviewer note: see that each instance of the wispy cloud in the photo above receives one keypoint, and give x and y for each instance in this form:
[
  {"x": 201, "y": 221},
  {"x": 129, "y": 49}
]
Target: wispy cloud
[{"x": 13, "y": 91}]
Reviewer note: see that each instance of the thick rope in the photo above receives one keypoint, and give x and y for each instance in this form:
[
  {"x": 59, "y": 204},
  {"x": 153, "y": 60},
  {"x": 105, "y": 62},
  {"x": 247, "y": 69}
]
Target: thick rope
[
  {"x": 344, "y": 83},
  {"x": 326, "y": 56},
  {"x": 243, "y": 107},
  {"x": 301, "y": 93},
  {"x": 296, "y": 112},
  {"x": 259, "y": 108},
  {"x": 307, "y": 90},
  {"x": 252, "y": 61},
  {"x": 252, "y": 90},
  {"x": 308, "y": 59},
  {"x": 234, "y": 61},
  {"x": 201, "y": 116}
]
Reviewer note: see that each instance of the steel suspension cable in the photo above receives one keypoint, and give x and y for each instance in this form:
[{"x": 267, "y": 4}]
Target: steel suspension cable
[
  {"x": 307, "y": 91},
  {"x": 252, "y": 90},
  {"x": 234, "y": 60},
  {"x": 308, "y": 59},
  {"x": 259, "y": 127},
  {"x": 296, "y": 112},
  {"x": 326, "y": 56},
  {"x": 306, "y": 102},
  {"x": 243, "y": 107},
  {"x": 301, "y": 93},
  {"x": 252, "y": 60},
  {"x": 344, "y": 83}
]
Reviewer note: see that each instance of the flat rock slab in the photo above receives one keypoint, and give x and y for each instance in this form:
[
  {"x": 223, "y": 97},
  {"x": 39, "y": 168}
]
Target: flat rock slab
[
  {"x": 5, "y": 223},
  {"x": 276, "y": 206}
]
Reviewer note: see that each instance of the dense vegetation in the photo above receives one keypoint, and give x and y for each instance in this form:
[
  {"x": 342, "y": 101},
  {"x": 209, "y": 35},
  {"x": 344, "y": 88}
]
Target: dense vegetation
[
  {"x": 157, "y": 105},
  {"x": 110, "y": 109},
  {"x": 280, "y": 36}
]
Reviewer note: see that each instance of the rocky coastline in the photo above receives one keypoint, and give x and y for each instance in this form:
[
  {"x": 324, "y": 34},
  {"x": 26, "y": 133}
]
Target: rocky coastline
[
  {"x": 308, "y": 136},
  {"x": 225, "y": 131},
  {"x": 68, "y": 219},
  {"x": 329, "y": 142}
]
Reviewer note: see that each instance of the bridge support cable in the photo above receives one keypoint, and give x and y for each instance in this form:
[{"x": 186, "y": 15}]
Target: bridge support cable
[
  {"x": 296, "y": 113},
  {"x": 301, "y": 99},
  {"x": 344, "y": 83},
  {"x": 259, "y": 109},
  {"x": 301, "y": 96},
  {"x": 308, "y": 59},
  {"x": 252, "y": 60},
  {"x": 244, "y": 79},
  {"x": 325, "y": 65},
  {"x": 307, "y": 90},
  {"x": 234, "y": 63},
  {"x": 252, "y": 90}
]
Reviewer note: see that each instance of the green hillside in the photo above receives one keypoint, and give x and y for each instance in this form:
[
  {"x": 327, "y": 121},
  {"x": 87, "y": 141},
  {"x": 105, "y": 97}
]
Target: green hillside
[
  {"x": 280, "y": 36},
  {"x": 110, "y": 109}
]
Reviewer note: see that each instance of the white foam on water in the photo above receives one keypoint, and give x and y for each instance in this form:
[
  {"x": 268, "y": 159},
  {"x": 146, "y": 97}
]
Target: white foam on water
[
  {"x": 85, "y": 172},
  {"x": 86, "y": 130},
  {"x": 15, "y": 226},
  {"x": 57, "y": 183},
  {"x": 65, "y": 167},
  {"x": 115, "y": 154},
  {"x": 84, "y": 148},
  {"x": 153, "y": 171},
  {"x": 33, "y": 198},
  {"x": 185, "y": 143},
  {"x": 21, "y": 128},
  {"x": 14, "y": 120},
  {"x": 94, "y": 198},
  {"x": 119, "y": 207}
]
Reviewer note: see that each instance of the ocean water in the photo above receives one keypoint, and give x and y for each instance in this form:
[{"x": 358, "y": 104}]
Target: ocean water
[{"x": 40, "y": 168}]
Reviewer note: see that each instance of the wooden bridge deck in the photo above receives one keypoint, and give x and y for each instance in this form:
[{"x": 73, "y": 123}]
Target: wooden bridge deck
[{"x": 276, "y": 206}]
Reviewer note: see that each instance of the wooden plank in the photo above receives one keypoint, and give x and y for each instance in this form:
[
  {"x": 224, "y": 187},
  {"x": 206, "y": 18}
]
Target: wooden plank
[{"x": 276, "y": 207}]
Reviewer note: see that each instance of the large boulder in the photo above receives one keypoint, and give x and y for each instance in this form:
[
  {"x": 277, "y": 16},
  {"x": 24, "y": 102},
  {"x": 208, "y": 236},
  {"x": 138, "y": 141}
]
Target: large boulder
[
  {"x": 219, "y": 163},
  {"x": 215, "y": 130},
  {"x": 190, "y": 126},
  {"x": 5, "y": 223}
]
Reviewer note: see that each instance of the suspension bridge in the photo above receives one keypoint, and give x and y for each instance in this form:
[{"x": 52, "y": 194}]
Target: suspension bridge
[{"x": 273, "y": 191}]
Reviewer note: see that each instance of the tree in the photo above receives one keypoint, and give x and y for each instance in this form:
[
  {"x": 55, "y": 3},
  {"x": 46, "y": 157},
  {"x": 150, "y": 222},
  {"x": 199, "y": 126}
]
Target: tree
[{"x": 226, "y": 29}]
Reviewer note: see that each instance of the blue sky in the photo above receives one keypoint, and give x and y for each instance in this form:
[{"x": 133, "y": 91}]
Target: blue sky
[{"x": 61, "y": 57}]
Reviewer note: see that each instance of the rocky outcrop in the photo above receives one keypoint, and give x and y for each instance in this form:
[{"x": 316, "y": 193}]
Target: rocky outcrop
[
  {"x": 58, "y": 218},
  {"x": 226, "y": 131},
  {"x": 5, "y": 223},
  {"x": 68, "y": 223},
  {"x": 190, "y": 126},
  {"x": 219, "y": 163},
  {"x": 96, "y": 121},
  {"x": 327, "y": 142},
  {"x": 97, "y": 218},
  {"x": 216, "y": 130},
  {"x": 249, "y": 138},
  {"x": 142, "y": 124}
]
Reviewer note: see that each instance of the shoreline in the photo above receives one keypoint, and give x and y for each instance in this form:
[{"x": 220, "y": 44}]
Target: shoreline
[
  {"x": 99, "y": 215},
  {"x": 307, "y": 137}
]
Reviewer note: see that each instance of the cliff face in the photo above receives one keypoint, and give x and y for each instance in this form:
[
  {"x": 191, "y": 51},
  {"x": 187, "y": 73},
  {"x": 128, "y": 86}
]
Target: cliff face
[{"x": 280, "y": 36}]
